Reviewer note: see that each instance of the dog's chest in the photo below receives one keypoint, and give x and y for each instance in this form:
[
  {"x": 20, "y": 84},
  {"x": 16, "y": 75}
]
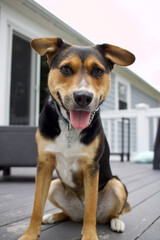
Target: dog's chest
[
  {"x": 66, "y": 167},
  {"x": 67, "y": 154}
]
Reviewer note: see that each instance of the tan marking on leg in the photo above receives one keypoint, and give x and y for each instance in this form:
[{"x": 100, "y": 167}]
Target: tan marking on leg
[
  {"x": 45, "y": 167},
  {"x": 90, "y": 179},
  {"x": 91, "y": 193}
]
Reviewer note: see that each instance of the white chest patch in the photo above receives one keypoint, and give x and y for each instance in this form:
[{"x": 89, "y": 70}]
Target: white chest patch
[
  {"x": 67, "y": 156},
  {"x": 66, "y": 167}
]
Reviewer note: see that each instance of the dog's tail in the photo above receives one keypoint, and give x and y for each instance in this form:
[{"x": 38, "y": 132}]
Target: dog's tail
[{"x": 126, "y": 208}]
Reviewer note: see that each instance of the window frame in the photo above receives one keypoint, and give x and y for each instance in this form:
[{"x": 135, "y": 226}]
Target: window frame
[
  {"x": 121, "y": 80},
  {"x": 35, "y": 75}
]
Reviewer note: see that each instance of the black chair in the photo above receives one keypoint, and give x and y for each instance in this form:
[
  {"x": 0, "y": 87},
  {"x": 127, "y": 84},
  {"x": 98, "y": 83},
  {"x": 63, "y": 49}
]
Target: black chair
[{"x": 17, "y": 147}]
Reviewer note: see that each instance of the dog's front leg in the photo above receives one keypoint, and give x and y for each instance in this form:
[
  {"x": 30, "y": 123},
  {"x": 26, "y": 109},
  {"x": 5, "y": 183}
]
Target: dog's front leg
[
  {"x": 43, "y": 179},
  {"x": 91, "y": 194}
]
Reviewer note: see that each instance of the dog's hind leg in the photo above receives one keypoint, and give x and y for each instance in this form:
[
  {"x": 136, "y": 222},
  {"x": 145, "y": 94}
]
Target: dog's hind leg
[
  {"x": 71, "y": 206},
  {"x": 112, "y": 203}
]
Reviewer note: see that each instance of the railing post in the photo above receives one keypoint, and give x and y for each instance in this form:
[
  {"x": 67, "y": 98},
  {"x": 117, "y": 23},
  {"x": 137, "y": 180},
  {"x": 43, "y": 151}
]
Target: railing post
[
  {"x": 142, "y": 128},
  {"x": 122, "y": 140},
  {"x": 128, "y": 155}
]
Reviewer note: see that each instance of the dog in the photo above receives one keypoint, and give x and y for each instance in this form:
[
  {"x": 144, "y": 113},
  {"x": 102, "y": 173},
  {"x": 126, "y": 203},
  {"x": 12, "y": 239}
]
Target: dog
[{"x": 70, "y": 139}]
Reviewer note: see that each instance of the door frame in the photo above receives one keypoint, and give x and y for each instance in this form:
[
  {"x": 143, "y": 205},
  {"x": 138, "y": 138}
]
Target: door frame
[{"x": 35, "y": 76}]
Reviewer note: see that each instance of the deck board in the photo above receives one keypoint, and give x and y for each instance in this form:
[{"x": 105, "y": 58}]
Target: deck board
[
  {"x": 152, "y": 232},
  {"x": 142, "y": 223}
]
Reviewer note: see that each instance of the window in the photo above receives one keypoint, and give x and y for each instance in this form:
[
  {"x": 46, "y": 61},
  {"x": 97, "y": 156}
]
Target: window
[
  {"x": 122, "y": 96},
  {"x": 22, "y": 101}
]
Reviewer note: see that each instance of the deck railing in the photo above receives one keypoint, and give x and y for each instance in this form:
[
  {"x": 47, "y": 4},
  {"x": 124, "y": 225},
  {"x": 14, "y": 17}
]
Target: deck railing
[{"x": 141, "y": 133}]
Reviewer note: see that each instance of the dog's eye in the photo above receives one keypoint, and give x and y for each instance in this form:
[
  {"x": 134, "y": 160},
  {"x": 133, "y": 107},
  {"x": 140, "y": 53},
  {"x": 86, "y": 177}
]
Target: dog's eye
[
  {"x": 66, "y": 70},
  {"x": 97, "y": 72}
]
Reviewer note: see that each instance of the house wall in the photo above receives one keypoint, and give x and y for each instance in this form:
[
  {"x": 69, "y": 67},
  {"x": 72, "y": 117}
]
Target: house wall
[
  {"x": 138, "y": 96},
  {"x": 112, "y": 127},
  {"x": 135, "y": 95},
  {"x": 30, "y": 21}
]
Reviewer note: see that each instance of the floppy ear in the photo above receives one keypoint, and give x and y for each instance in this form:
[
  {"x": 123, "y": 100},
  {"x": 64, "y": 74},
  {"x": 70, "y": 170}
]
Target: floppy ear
[
  {"x": 117, "y": 55},
  {"x": 48, "y": 46}
]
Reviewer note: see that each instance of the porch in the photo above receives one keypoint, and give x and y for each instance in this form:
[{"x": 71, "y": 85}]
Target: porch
[{"x": 142, "y": 223}]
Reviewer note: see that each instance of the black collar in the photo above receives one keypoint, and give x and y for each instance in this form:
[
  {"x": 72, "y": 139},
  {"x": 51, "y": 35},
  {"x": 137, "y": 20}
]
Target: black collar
[{"x": 60, "y": 114}]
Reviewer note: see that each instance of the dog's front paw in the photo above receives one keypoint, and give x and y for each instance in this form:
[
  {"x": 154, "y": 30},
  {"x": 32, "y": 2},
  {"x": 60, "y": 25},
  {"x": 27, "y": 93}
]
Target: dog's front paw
[
  {"x": 117, "y": 225},
  {"x": 48, "y": 218},
  {"x": 88, "y": 234},
  {"x": 93, "y": 237},
  {"x": 28, "y": 237},
  {"x": 31, "y": 233}
]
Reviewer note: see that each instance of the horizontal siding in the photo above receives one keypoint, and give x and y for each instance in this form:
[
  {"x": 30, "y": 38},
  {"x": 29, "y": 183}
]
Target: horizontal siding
[
  {"x": 138, "y": 96},
  {"x": 109, "y": 103}
]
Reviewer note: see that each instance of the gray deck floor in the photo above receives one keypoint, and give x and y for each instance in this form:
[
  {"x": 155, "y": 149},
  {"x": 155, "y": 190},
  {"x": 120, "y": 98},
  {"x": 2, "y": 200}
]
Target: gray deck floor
[{"x": 142, "y": 223}]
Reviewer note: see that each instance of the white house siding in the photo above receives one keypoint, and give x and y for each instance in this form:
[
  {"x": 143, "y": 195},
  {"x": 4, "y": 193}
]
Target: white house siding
[
  {"x": 138, "y": 96},
  {"x": 28, "y": 20},
  {"x": 135, "y": 95}
]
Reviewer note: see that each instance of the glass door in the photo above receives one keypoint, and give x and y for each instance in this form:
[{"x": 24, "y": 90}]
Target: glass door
[{"x": 22, "y": 95}]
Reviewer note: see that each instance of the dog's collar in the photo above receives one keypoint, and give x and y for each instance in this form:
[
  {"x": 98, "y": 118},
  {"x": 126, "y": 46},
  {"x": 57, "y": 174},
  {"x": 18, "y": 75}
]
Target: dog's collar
[{"x": 65, "y": 121}]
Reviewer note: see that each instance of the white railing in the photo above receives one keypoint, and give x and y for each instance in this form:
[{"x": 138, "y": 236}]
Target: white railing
[{"x": 143, "y": 128}]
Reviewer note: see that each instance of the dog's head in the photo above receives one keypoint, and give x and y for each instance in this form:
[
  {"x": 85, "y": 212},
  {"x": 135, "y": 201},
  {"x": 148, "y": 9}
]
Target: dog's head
[{"x": 79, "y": 77}]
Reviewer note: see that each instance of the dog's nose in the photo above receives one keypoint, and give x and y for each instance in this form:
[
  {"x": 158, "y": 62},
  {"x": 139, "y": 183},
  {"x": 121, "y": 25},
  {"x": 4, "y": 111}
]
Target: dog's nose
[{"x": 82, "y": 98}]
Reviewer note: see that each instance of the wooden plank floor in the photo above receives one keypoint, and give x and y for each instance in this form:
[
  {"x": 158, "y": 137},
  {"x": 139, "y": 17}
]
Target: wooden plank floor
[{"x": 142, "y": 223}]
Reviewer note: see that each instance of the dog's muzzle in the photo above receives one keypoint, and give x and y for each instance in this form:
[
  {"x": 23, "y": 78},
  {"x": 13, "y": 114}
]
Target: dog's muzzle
[
  {"x": 81, "y": 114},
  {"x": 80, "y": 109}
]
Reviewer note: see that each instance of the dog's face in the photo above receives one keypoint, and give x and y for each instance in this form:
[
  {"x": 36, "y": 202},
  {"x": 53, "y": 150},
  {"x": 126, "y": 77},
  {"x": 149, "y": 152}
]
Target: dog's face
[{"x": 79, "y": 77}]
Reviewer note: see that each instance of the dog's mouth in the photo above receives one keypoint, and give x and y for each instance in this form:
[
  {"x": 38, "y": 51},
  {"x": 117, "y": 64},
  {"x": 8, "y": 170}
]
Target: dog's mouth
[{"x": 79, "y": 119}]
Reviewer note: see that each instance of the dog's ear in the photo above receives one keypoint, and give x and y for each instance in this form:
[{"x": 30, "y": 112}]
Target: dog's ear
[
  {"x": 47, "y": 46},
  {"x": 117, "y": 55}
]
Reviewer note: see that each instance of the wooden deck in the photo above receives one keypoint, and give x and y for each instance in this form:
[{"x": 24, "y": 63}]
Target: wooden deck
[{"x": 142, "y": 223}]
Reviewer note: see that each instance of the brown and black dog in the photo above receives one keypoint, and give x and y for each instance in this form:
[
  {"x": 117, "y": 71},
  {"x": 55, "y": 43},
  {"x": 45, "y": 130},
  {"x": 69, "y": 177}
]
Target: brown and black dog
[{"x": 70, "y": 139}]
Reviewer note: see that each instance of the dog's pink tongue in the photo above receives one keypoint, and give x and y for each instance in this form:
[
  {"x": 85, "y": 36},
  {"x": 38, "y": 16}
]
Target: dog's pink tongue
[{"x": 79, "y": 119}]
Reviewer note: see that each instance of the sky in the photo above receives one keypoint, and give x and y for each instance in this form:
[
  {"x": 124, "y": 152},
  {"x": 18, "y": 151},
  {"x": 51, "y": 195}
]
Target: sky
[{"x": 131, "y": 24}]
